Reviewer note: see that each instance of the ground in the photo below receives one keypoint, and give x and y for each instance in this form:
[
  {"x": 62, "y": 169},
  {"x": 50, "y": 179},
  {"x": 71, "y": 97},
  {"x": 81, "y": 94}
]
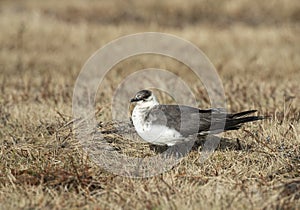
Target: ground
[{"x": 254, "y": 46}]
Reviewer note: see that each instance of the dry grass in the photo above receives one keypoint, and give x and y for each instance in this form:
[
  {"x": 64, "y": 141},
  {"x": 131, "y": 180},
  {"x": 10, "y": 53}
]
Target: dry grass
[{"x": 255, "y": 48}]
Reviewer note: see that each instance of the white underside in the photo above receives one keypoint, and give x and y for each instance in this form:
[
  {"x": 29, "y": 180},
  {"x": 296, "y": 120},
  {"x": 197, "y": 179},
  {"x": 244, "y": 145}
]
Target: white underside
[{"x": 160, "y": 135}]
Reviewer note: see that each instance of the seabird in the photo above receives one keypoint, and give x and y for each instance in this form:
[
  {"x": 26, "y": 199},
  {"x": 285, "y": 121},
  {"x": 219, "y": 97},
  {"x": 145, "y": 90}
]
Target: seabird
[{"x": 173, "y": 124}]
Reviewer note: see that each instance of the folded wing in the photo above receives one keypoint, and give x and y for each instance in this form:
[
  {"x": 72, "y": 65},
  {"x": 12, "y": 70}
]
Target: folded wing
[{"x": 188, "y": 120}]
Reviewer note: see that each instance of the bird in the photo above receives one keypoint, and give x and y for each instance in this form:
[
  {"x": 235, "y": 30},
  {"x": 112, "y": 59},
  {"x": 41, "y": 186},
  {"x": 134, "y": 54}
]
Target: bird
[{"x": 161, "y": 124}]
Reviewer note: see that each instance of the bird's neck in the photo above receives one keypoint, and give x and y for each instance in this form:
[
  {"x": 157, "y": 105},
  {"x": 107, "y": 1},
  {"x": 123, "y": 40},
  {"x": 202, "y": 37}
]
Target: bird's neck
[{"x": 141, "y": 110}]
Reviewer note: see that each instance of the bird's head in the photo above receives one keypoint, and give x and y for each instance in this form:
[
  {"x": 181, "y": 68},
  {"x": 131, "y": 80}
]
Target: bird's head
[{"x": 144, "y": 98}]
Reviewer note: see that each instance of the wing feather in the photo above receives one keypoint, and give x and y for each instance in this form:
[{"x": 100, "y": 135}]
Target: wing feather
[{"x": 189, "y": 120}]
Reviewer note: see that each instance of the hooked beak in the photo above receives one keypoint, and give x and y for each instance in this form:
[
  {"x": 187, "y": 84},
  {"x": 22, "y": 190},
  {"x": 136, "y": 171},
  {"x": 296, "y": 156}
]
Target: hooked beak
[{"x": 133, "y": 100}]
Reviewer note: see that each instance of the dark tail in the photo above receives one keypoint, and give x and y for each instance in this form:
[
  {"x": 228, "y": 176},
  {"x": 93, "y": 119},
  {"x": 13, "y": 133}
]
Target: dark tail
[{"x": 235, "y": 121}]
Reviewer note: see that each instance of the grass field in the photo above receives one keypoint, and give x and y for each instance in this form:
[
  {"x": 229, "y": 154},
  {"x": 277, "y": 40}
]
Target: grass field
[{"x": 254, "y": 46}]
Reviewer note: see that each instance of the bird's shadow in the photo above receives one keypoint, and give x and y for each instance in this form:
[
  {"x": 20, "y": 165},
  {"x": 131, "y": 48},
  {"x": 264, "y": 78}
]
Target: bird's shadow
[
  {"x": 223, "y": 144},
  {"x": 216, "y": 143}
]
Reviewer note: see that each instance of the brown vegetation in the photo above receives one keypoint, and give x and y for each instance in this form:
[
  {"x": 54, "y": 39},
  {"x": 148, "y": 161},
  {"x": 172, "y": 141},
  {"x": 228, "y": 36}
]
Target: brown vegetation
[{"x": 255, "y": 48}]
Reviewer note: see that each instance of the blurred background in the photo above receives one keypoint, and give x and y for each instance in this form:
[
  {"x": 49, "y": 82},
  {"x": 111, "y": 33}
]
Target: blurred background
[{"x": 44, "y": 44}]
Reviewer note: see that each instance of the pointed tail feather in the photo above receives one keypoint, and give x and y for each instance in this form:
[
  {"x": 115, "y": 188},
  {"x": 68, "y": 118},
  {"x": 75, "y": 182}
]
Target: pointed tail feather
[
  {"x": 240, "y": 114},
  {"x": 234, "y": 124}
]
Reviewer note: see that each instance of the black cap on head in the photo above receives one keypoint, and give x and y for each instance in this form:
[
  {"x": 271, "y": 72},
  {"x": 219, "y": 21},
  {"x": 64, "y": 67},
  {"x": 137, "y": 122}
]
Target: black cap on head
[{"x": 141, "y": 95}]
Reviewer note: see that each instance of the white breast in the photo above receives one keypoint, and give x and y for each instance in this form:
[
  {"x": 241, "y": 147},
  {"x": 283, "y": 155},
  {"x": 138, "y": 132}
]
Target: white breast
[{"x": 156, "y": 134}]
